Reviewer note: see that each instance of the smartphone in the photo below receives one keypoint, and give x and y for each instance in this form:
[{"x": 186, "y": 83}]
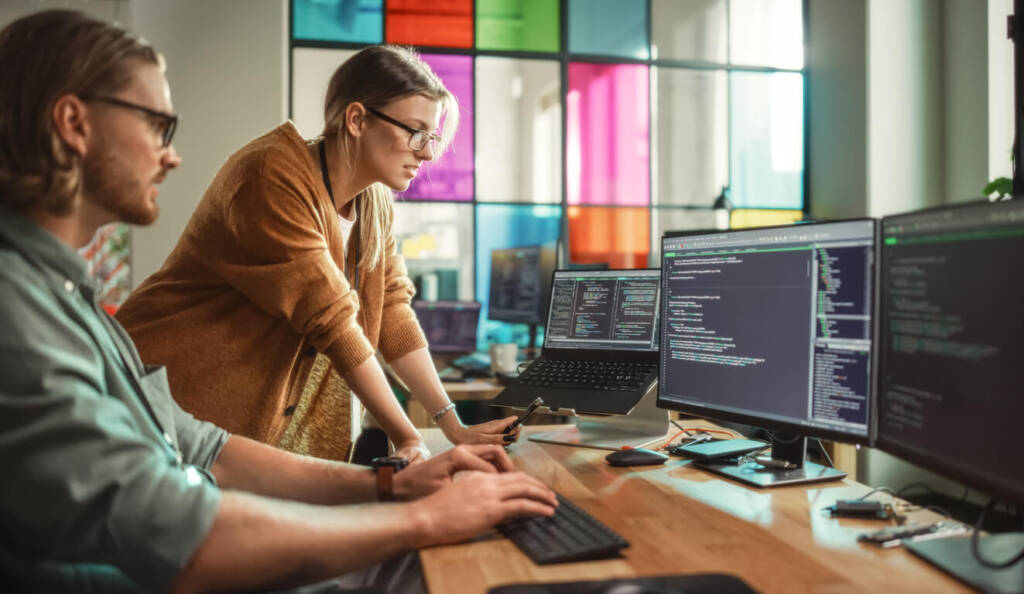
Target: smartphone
[{"x": 537, "y": 402}]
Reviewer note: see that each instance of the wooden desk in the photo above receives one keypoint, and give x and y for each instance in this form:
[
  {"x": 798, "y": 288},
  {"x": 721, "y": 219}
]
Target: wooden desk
[{"x": 680, "y": 519}]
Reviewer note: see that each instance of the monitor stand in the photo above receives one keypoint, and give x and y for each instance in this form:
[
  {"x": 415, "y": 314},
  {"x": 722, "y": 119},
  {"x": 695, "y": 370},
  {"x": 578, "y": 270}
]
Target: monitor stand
[
  {"x": 953, "y": 555},
  {"x": 792, "y": 450},
  {"x": 645, "y": 424}
]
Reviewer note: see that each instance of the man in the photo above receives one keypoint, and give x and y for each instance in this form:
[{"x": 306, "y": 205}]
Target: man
[{"x": 107, "y": 483}]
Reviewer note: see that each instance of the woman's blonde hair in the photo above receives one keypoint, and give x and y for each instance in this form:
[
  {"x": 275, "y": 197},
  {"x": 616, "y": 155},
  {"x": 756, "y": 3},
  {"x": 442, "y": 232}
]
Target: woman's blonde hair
[
  {"x": 42, "y": 57},
  {"x": 375, "y": 77}
]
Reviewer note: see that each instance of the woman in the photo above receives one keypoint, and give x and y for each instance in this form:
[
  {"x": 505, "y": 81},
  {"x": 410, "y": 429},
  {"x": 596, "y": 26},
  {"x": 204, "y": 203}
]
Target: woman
[{"x": 286, "y": 279}]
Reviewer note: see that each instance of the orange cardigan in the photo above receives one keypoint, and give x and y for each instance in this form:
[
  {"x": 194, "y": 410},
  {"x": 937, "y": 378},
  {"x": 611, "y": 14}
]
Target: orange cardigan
[{"x": 256, "y": 287}]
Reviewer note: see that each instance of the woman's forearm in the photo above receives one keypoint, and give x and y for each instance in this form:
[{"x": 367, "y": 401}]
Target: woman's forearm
[
  {"x": 417, "y": 370},
  {"x": 369, "y": 383}
]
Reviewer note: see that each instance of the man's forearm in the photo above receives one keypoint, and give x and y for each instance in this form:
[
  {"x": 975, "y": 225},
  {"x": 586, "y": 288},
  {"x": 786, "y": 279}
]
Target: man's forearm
[
  {"x": 255, "y": 467},
  {"x": 265, "y": 544}
]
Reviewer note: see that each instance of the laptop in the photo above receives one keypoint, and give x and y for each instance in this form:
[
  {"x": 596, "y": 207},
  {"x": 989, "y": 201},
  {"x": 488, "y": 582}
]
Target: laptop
[{"x": 600, "y": 352}]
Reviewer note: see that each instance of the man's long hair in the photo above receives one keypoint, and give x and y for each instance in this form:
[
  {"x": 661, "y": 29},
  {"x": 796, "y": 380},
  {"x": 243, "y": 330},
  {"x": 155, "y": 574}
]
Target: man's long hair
[{"x": 43, "y": 57}]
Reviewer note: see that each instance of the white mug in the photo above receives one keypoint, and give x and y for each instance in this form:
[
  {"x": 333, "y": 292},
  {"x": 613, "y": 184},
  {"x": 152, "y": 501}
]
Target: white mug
[{"x": 503, "y": 357}]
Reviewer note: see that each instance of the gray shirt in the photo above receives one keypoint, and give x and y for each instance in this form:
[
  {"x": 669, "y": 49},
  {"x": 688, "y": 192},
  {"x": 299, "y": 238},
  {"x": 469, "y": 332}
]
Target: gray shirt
[{"x": 104, "y": 477}]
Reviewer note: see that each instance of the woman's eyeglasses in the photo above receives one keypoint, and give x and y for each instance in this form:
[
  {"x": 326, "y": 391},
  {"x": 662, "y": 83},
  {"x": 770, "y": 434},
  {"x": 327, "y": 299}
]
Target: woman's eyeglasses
[{"x": 418, "y": 138}]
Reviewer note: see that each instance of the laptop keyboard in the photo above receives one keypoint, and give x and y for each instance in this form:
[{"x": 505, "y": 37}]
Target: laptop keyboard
[
  {"x": 590, "y": 375},
  {"x": 570, "y": 535}
]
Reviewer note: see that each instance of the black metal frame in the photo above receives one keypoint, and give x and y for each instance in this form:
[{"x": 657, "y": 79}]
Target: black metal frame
[{"x": 564, "y": 57}]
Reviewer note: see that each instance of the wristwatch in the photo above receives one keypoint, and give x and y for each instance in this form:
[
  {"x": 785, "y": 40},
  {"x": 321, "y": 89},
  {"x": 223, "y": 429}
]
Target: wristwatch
[{"x": 386, "y": 468}]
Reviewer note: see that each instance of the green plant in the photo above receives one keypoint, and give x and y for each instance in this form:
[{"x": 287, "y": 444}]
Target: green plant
[{"x": 1003, "y": 186}]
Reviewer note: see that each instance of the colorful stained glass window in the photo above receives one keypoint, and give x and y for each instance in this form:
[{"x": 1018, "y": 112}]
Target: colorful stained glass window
[
  {"x": 607, "y": 139},
  {"x": 519, "y": 140},
  {"x": 744, "y": 218},
  {"x": 609, "y": 27},
  {"x": 436, "y": 241},
  {"x": 620, "y": 237},
  {"x": 767, "y": 139},
  {"x": 354, "y": 21},
  {"x": 690, "y": 129},
  {"x": 438, "y": 23},
  {"x": 505, "y": 226},
  {"x": 693, "y": 30},
  {"x": 450, "y": 177},
  {"x": 766, "y": 33},
  {"x": 517, "y": 25},
  {"x": 667, "y": 220}
]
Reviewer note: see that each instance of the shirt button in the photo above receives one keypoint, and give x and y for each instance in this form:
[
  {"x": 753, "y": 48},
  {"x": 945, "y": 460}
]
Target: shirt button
[
  {"x": 289, "y": 411},
  {"x": 167, "y": 438},
  {"x": 69, "y": 286}
]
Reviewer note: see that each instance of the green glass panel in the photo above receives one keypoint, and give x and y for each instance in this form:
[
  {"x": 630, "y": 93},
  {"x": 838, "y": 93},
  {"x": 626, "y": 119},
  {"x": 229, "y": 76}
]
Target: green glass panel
[{"x": 517, "y": 25}]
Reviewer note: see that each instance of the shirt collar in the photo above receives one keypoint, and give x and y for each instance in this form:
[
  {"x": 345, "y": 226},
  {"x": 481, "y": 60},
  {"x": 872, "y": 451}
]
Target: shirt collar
[{"x": 41, "y": 247}]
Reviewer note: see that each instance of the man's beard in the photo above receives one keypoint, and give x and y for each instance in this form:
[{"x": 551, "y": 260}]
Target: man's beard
[{"x": 109, "y": 184}]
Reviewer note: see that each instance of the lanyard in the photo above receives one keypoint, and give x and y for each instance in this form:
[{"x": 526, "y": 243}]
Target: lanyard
[{"x": 327, "y": 184}]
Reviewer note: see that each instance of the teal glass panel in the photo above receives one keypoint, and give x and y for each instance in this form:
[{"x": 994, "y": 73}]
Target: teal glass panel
[
  {"x": 501, "y": 226},
  {"x": 517, "y": 25},
  {"x": 609, "y": 27},
  {"x": 766, "y": 148},
  {"x": 357, "y": 21}
]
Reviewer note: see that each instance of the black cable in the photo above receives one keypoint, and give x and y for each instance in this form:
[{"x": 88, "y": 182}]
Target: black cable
[
  {"x": 974, "y": 543},
  {"x": 877, "y": 490}
]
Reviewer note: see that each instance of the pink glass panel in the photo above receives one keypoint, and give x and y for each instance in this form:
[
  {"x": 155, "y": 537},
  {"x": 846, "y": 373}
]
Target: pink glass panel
[
  {"x": 608, "y": 135},
  {"x": 451, "y": 176}
]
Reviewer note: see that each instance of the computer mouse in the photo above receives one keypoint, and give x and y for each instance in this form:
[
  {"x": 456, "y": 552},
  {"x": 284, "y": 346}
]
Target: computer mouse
[{"x": 635, "y": 457}]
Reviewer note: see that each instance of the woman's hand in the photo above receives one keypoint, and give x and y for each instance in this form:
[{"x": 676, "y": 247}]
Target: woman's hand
[
  {"x": 414, "y": 451},
  {"x": 491, "y": 432}
]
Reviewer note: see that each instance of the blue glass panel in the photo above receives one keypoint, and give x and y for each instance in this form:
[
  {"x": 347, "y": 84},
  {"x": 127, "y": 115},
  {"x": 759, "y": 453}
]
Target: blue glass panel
[
  {"x": 359, "y": 21},
  {"x": 505, "y": 226},
  {"x": 766, "y": 148},
  {"x": 609, "y": 27}
]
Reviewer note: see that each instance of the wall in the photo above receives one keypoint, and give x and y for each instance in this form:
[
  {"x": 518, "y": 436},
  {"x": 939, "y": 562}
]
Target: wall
[
  {"x": 226, "y": 65},
  {"x": 966, "y": 110},
  {"x": 1000, "y": 90}
]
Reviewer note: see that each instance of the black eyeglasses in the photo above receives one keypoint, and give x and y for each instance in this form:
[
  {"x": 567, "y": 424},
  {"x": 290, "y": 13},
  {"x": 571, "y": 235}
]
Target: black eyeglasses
[
  {"x": 168, "y": 121},
  {"x": 418, "y": 138}
]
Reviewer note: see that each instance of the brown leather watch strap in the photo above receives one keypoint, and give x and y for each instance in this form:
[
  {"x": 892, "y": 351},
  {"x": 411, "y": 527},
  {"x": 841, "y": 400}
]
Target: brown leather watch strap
[{"x": 385, "y": 483}]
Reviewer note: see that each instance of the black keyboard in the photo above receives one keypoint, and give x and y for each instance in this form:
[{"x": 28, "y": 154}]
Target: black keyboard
[
  {"x": 590, "y": 375},
  {"x": 570, "y": 535}
]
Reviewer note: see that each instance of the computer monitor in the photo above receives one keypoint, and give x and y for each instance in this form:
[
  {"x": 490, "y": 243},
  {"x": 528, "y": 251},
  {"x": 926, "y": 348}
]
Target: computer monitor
[
  {"x": 450, "y": 326},
  {"x": 952, "y": 360},
  {"x": 772, "y": 327},
  {"x": 520, "y": 283}
]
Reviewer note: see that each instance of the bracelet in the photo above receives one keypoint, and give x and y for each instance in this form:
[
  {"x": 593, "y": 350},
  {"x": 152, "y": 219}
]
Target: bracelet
[{"x": 444, "y": 410}]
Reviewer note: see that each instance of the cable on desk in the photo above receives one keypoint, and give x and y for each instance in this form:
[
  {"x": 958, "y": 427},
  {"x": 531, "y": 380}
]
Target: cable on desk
[{"x": 974, "y": 543}]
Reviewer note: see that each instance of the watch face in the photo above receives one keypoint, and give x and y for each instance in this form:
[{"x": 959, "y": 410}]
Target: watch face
[{"x": 395, "y": 462}]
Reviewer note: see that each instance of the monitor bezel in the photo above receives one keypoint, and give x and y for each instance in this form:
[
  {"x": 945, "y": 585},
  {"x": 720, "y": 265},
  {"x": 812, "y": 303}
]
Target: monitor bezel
[
  {"x": 811, "y": 431},
  {"x": 622, "y": 355},
  {"x": 934, "y": 463},
  {"x": 476, "y": 305}
]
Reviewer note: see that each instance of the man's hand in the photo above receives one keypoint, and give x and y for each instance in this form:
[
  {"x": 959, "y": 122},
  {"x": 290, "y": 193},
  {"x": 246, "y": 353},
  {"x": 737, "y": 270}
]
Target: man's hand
[
  {"x": 426, "y": 478},
  {"x": 414, "y": 451},
  {"x": 490, "y": 432},
  {"x": 476, "y": 501}
]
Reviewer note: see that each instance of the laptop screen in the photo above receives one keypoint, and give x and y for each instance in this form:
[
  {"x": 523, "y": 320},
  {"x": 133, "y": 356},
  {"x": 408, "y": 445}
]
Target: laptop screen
[{"x": 604, "y": 309}]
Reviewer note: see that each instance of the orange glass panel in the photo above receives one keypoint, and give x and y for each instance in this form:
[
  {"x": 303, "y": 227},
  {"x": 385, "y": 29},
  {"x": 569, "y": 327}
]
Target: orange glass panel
[
  {"x": 440, "y": 23},
  {"x": 621, "y": 237}
]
